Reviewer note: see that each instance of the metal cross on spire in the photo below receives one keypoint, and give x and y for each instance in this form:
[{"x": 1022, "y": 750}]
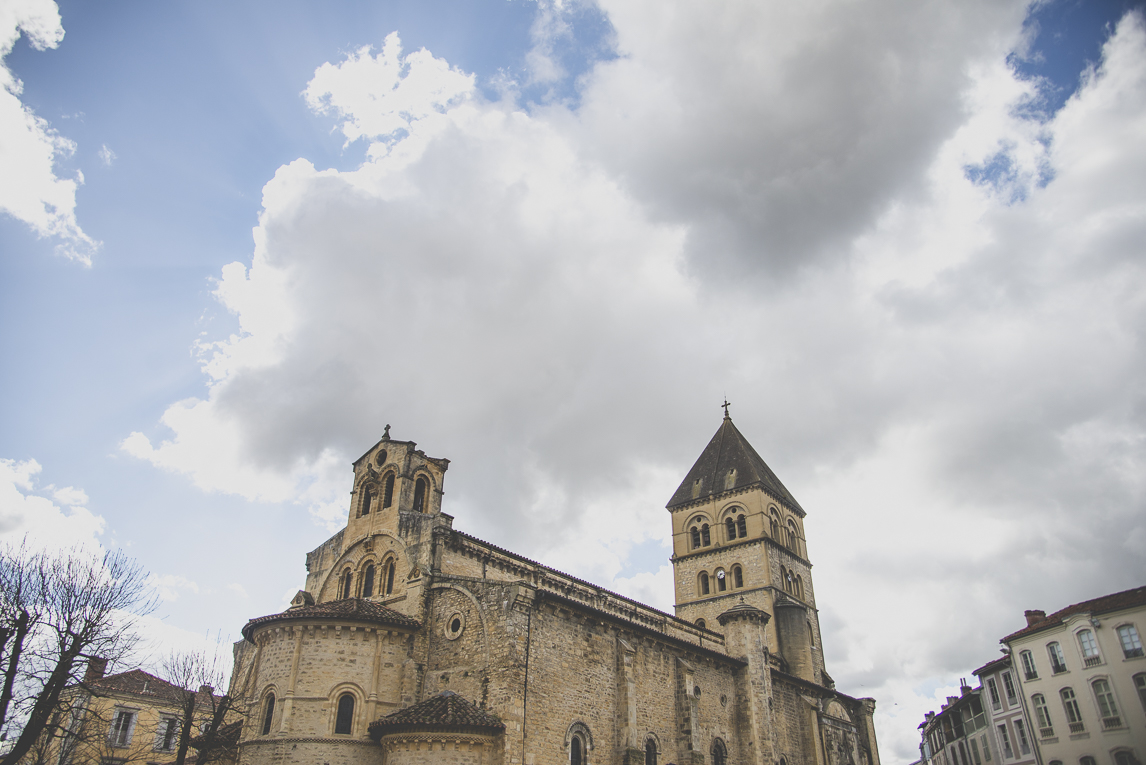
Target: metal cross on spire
[{"x": 726, "y": 405}]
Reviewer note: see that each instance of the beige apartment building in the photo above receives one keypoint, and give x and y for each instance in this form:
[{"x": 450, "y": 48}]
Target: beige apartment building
[
  {"x": 1008, "y": 730},
  {"x": 414, "y": 643},
  {"x": 1082, "y": 677}
]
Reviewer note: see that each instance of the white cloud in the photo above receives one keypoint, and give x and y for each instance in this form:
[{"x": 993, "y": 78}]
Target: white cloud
[
  {"x": 170, "y": 586},
  {"x": 106, "y": 155},
  {"x": 945, "y": 372},
  {"x": 30, "y": 191},
  {"x": 24, "y": 515}
]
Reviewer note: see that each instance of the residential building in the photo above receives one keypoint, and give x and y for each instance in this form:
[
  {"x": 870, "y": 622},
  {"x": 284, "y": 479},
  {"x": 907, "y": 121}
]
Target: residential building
[
  {"x": 129, "y": 718},
  {"x": 958, "y": 734},
  {"x": 1009, "y": 729},
  {"x": 1082, "y": 675}
]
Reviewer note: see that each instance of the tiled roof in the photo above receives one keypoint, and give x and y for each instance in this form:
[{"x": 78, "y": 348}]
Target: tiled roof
[
  {"x": 730, "y": 451},
  {"x": 139, "y": 683},
  {"x": 350, "y": 609},
  {"x": 992, "y": 665},
  {"x": 1116, "y": 602},
  {"x": 446, "y": 711}
]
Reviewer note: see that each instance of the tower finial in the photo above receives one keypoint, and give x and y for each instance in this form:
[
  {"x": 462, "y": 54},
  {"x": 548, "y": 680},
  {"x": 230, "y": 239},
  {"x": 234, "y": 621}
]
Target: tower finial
[
  {"x": 726, "y": 405},
  {"x": 386, "y": 433}
]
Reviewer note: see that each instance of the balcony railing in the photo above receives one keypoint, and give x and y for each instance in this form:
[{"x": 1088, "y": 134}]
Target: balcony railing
[
  {"x": 1132, "y": 653},
  {"x": 1110, "y": 723},
  {"x": 1092, "y": 661},
  {"x": 1031, "y": 674},
  {"x": 1046, "y": 732},
  {"x": 1058, "y": 669},
  {"x": 1077, "y": 727}
]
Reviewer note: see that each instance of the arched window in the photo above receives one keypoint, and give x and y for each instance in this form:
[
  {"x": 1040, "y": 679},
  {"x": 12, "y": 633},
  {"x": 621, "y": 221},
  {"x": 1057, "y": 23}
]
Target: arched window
[
  {"x": 344, "y": 722},
  {"x": 650, "y": 752},
  {"x": 1089, "y": 648},
  {"x": 1131, "y": 643},
  {"x": 1029, "y": 668},
  {"x": 576, "y": 751},
  {"x": 774, "y": 524},
  {"x": 1123, "y": 757},
  {"x": 1140, "y": 686},
  {"x": 388, "y": 490},
  {"x": 1086, "y": 760},
  {"x": 702, "y": 582},
  {"x": 695, "y": 537},
  {"x": 268, "y": 713},
  {"x": 721, "y": 580},
  {"x": 1073, "y": 713},
  {"x": 705, "y": 539},
  {"x": 1107, "y": 708},
  {"x": 730, "y": 527},
  {"x": 791, "y": 583},
  {"x": 388, "y": 572},
  {"x": 793, "y": 537},
  {"x": 367, "y": 496},
  {"x": 1042, "y": 715},
  {"x": 737, "y": 576},
  {"x": 799, "y": 587},
  {"x": 742, "y": 526},
  {"x": 344, "y": 585},
  {"x": 719, "y": 753},
  {"x": 1057, "y": 662},
  {"x": 368, "y": 581},
  {"x": 420, "y": 495},
  {"x": 580, "y": 743}
]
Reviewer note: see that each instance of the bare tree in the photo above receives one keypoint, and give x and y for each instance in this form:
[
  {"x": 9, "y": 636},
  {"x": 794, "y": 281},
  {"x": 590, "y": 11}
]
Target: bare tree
[
  {"x": 56, "y": 609},
  {"x": 200, "y": 709}
]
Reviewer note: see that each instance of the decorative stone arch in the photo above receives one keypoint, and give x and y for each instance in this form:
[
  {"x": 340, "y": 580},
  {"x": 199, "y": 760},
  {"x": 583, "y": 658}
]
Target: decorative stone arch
[
  {"x": 703, "y": 583},
  {"x": 775, "y": 523},
  {"x": 387, "y": 573},
  {"x": 367, "y": 495},
  {"x": 424, "y": 486},
  {"x": 719, "y": 751},
  {"x": 368, "y": 575},
  {"x": 578, "y": 730},
  {"x": 652, "y": 748},
  {"x": 268, "y": 709},
  {"x": 736, "y": 575},
  {"x": 835, "y": 709},
  {"x": 386, "y": 480},
  {"x": 358, "y": 718}
]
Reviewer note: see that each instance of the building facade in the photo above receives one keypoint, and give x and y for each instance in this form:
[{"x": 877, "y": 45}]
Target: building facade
[
  {"x": 128, "y": 718},
  {"x": 413, "y": 642},
  {"x": 1009, "y": 728},
  {"x": 1082, "y": 675},
  {"x": 958, "y": 734}
]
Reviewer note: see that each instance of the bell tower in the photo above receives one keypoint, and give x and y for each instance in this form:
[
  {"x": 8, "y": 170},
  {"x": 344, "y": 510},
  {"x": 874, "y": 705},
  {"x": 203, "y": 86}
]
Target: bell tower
[{"x": 738, "y": 537}]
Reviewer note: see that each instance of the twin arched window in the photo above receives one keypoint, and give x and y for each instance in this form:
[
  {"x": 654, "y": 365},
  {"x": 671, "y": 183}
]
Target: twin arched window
[
  {"x": 367, "y": 498},
  {"x": 793, "y": 537},
  {"x": 388, "y": 577},
  {"x": 774, "y": 523},
  {"x": 344, "y": 720},
  {"x": 344, "y": 583},
  {"x": 735, "y": 578},
  {"x": 700, "y": 536},
  {"x": 735, "y": 526}
]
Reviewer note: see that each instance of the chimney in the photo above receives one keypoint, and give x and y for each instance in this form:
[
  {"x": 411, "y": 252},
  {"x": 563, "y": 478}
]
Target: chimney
[
  {"x": 96, "y": 669},
  {"x": 964, "y": 689},
  {"x": 1035, "y": 616}
]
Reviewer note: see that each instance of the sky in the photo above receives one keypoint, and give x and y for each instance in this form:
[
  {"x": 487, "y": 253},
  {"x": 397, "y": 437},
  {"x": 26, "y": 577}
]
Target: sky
[{"x": 545, "y": 240}]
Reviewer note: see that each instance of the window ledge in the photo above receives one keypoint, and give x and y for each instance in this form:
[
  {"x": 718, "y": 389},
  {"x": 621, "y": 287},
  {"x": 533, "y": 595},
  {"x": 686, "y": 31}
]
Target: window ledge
[{"x": 1079, "y": 736}]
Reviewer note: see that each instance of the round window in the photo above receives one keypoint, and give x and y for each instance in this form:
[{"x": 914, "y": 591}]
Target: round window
[
  {"x": 381, "y": 458},
  {"x": 455, "y": 625}
]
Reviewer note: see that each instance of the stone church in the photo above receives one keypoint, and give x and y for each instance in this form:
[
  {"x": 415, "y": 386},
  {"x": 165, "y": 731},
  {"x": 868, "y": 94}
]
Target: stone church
[{"x": 414, "y": 643}]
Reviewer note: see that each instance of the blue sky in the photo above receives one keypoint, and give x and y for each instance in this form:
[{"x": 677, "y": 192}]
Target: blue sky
[{"x": 905, "y": 241}]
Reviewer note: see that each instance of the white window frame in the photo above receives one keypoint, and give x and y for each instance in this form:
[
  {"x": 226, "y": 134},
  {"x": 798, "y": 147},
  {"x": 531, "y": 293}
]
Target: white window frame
[
  {"x": 120, "y": 737},
  {"x": 161, "y": 734},
  {"x": 1135, "y": 650},
  {"x": 1094, "y": 658},
  {"x": 1057, "y": 659}
]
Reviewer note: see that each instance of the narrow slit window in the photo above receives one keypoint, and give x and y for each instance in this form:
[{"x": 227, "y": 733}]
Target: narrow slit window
[
  {"x": 344, "y": 722},
  {"x": 368, "y": 581},
  {"x": 730, "y": 528},
  {"x": 268, "y": 713},
  {"x": 703, "y": 583},
  {"x": 388, "y": 491},
  {"x": 742, "y": 526},
  {"x": 367, "y": 497},
  {"x": 420, "y": 494}
]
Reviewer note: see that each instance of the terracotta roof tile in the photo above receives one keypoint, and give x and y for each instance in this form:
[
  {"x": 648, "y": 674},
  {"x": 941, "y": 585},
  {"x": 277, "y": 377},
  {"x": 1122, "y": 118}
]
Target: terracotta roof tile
[
  {"x": 351, "y": 609},
  {"x": 446, "y": 711},
  {"x": 1107, "y": 603},
  {"x": 139, "y": 683}
]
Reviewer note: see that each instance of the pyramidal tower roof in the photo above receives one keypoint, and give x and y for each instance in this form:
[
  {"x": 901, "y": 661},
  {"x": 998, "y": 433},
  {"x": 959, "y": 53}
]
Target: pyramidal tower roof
[{"x": 729, "y": 463}]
